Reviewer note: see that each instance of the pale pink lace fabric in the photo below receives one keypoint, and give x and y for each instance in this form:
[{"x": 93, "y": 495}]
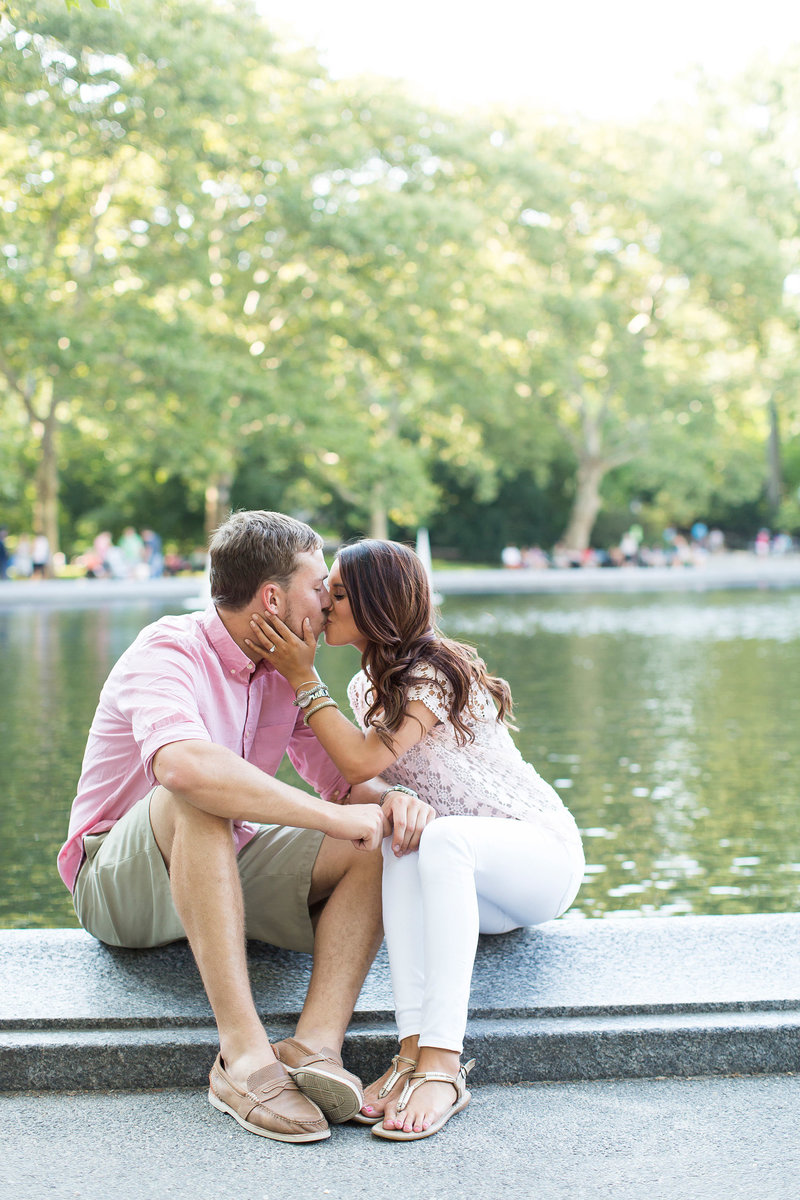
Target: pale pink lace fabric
[{"x": 485, "y": 778}]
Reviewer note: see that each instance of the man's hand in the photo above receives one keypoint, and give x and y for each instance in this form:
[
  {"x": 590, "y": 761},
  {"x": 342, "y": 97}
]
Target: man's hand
[
  {"x": 408, "y": 816},
  {"x": 365, "y": 825}
]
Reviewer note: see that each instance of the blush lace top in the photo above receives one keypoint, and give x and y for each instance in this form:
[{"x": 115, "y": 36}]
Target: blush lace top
[{"x": 487, "y": 777}]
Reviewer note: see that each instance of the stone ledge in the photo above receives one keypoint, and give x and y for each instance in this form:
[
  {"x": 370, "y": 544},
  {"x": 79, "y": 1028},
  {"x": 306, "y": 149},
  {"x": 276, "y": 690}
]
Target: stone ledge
[
  {"x": 507, "y": 1051},
  {"x": 726, "y": 571},
  {"x": 569, "y": 1000}
]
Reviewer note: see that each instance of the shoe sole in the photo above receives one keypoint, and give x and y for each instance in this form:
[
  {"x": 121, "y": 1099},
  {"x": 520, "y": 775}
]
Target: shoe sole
[
  {"x": 338, "y": 1099},
  {"x": 399, "y": 1135},
  {"x": 221, "y": 1106}
]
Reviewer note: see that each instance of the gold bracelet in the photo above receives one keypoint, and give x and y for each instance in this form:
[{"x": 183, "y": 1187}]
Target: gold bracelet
[{"x": 322, "y": 704}]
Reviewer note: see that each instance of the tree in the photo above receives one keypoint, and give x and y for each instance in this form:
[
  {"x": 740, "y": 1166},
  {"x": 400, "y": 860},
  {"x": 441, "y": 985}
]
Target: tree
[
  {"x": 84, "y": 277},
  {"x": 131, "y": 182},
  {"x": 620, "y": 256},
  {"x": 216, "y": 261},
  {"x": 582, "y": 259},
  {"x": 740, "y": 253}
]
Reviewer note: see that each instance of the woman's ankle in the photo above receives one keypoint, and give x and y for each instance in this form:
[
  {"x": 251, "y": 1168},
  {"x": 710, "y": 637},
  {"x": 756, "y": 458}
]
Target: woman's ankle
[
  {"x": 409, "y": 1047},
  {"x": 434, "y": 1058}
]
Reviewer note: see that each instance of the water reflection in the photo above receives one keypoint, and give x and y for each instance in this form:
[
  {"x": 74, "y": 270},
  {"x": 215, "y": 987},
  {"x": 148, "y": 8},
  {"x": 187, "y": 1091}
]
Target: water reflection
[
  {"x": 717, "y": 617},
  {"x": 669, "y": 727},
  {"x": 52, "y": 668},
  {"x": 668, "y": 724}
]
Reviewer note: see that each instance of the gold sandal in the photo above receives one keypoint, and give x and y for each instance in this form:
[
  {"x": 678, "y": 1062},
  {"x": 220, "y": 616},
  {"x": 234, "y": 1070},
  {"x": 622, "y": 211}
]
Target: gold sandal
[
  {"x": 397, "y": 1074},
  {"x": 416, "y": 1080}
]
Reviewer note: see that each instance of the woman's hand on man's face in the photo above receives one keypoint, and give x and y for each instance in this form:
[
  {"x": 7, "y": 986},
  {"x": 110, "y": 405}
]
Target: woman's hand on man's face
[{"x": 272, "y": 640}]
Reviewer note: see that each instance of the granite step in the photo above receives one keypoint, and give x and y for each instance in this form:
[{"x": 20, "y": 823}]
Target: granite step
[{"x": 570, "y": 1000}]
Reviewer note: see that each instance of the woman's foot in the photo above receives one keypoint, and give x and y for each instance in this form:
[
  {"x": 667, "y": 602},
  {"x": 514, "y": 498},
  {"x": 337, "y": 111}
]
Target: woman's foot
[
  {"x": 429, "y": 1101},
  {"x": 403, "y": 1063}
]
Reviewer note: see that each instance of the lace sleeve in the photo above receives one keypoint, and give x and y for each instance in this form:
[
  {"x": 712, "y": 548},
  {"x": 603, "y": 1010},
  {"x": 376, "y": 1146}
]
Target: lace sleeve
[
  {"x": 356, "y": 691},
  {"x": 435, "y": 691}
]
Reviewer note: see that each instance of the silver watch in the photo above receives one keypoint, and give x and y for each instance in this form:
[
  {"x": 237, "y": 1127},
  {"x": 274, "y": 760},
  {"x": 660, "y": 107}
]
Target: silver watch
[{"x": 305, "y": 698}]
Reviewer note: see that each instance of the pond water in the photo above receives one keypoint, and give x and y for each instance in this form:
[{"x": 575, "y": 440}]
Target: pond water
[{"x": 668, "y": 724}]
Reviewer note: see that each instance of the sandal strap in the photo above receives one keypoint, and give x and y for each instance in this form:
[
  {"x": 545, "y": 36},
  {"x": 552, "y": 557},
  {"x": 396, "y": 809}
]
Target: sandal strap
[
  {"x": 417, "y": 1079},
  {"x": 397, "y": 1074}
]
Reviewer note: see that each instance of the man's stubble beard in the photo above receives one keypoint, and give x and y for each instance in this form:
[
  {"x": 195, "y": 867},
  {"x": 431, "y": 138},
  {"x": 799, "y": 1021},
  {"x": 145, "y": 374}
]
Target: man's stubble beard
[{"x": 288, "y": 619}]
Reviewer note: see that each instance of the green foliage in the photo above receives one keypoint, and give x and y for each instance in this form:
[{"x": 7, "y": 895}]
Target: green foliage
[{"x": 227, "y": 279}]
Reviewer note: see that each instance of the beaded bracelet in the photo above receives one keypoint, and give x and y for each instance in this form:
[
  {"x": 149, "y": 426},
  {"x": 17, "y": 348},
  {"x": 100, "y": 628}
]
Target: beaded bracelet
[
  {"x": 398, "y": 787},
  {"x": 322, "y": 704}
]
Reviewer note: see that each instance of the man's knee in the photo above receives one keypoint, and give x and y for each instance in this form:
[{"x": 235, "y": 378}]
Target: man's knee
[
  {"x": 170, "y": 816},
  {"x": 337, "y": 860}
]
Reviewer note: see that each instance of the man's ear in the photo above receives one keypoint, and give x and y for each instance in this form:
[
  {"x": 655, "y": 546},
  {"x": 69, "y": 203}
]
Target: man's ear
[{"x": 271, "y": 598}]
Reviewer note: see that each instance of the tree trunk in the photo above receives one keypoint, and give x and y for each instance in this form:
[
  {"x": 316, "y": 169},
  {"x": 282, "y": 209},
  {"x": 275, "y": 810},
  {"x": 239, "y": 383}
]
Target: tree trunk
[
  {"x": 774, "y": 480},
  {"x": 378, "y": 516},
  {"x": 217, "y": 505},
  {"x": 45, "y": 510},
  {"x": 586, "y": 505}
]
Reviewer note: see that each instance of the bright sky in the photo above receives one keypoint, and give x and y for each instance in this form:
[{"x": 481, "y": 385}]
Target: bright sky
[{"x": 605, "y": 58}]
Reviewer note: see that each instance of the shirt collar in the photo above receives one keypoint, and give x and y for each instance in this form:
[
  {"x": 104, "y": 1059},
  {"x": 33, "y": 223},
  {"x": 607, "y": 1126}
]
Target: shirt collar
[{"x": 233, "y": 659}]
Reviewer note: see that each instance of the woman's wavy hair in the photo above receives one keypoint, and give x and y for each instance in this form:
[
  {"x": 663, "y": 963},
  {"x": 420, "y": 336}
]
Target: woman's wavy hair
[{"x": 390, "y": 599}]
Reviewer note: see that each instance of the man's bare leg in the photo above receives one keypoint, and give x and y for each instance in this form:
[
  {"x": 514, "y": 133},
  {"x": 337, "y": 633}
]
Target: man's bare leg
[
  {"x": 200, "y": 854},
  {"x": 348, "y": 934}
]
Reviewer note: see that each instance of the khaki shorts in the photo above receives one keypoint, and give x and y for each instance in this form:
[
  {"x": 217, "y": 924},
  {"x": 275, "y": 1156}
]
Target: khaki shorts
[{"x": 122, "y": 894}]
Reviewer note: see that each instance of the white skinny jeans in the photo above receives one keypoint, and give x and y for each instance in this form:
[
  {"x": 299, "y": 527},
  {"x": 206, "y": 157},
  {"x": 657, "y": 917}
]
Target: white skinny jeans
[{"x": 470, "y": 875}]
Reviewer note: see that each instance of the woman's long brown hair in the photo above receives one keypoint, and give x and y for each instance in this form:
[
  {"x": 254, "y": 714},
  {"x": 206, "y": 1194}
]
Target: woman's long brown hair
[{"x": 390, "y": 599}]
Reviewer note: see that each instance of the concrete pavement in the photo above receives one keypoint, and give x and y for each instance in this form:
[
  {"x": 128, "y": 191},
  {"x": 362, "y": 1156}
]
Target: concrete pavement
[{"x": 656, "y": 1139}]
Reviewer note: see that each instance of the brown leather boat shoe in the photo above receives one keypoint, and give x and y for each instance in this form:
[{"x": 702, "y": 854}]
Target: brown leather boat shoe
[
  {"x": 270, "y": 1104},
  {"x": 320, "y": 1075}
]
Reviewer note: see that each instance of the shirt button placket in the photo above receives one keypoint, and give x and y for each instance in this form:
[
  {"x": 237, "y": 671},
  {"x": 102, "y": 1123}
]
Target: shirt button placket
[{"x": 250, "y": 722}]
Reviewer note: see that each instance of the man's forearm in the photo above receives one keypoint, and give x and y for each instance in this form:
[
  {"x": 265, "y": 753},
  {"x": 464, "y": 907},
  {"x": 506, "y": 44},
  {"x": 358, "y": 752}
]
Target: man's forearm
[{"x": 216, "y": 780}]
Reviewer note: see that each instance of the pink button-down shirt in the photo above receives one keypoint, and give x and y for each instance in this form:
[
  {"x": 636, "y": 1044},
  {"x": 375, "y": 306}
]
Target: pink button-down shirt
[{"x": 185, "y": 679}]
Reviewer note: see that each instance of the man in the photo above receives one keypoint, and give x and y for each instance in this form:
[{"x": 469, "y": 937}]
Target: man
[{"x": 180, "y": 830}]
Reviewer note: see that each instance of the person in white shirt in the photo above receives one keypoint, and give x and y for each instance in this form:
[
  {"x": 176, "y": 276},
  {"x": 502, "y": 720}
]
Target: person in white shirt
[{"x": 40, "y": 555}]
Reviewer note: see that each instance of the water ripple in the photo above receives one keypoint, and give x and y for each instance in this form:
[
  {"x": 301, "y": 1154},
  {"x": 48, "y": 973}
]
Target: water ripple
[{"x": 777, "y": 622}]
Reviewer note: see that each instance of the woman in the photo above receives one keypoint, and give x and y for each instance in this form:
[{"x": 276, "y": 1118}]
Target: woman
[{"x": 502, "y": 853}]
